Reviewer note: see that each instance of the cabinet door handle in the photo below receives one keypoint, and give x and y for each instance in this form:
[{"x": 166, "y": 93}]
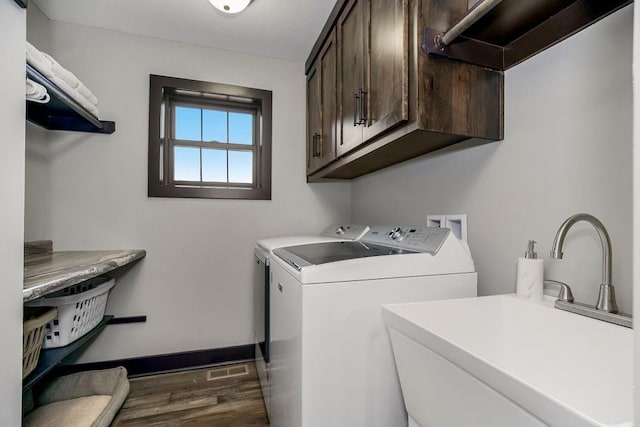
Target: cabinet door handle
[
  {"x": 315, "y": 149},
  {"x": 314, "y": 145},
  {"x": 318, "y": 145},
  {"x": 356, "y": 104},
  {"x": 358, "y": 114},
  {"x": 363, "y": 117}
]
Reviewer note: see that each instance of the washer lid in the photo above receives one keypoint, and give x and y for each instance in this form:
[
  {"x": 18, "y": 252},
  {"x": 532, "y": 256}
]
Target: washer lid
[{"x": 323, "y": 253}]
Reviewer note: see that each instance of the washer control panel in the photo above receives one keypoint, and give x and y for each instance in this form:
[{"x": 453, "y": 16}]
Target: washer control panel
[
  {"x": 346, "y": 231},
  {"x": 418, "y": 239}
]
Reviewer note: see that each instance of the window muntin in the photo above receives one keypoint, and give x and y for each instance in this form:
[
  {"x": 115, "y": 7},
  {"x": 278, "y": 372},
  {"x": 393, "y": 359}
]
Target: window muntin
[{"x": 208, "y": 140}]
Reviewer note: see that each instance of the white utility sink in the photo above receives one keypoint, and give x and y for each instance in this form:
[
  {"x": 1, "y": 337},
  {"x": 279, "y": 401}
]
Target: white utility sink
[{"x": 503, "y": 361}]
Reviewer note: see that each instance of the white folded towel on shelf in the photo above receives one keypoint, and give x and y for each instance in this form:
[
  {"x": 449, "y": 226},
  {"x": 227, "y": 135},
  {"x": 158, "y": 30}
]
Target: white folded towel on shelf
[
  {"x": 62, "y": 78},
  {"x": 71, "y": 80},
  {"x": 73, "y": 93},
  {"x": 39, "y": 61},
  {"x": 87, "y": 94},
  {"x": 62, "y": 72},
  {"x": 36, "y": 92}
]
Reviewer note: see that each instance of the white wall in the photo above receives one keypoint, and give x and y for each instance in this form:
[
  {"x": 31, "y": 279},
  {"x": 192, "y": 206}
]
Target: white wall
[
  {"x": 12, "y": 113},
  {"x": 195, "y": 283},
  {"x": 567, "y": 149}
]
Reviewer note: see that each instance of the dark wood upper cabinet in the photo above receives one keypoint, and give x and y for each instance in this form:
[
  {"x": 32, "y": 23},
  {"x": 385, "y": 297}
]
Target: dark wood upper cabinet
[
  {"x": 388, "y": 80},
  {"x": 373, "y": 69},
  {"x": 352, "y": 89},
  {"x": 395, "y": 102},
  {"x": 322, "y": 111},
  {"x": 402, "y": 94}
]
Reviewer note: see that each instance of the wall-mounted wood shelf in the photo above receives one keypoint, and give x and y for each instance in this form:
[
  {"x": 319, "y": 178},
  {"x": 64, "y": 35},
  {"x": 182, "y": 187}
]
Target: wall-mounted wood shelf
[
  {"x": 516, "y": 30},
  {"x": 62, "y": 112}
]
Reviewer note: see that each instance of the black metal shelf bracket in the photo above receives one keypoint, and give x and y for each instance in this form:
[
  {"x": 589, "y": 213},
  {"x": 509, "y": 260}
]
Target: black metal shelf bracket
[
  {"x": 127, "y": 319},
  {"x": 464, "y": 49}
]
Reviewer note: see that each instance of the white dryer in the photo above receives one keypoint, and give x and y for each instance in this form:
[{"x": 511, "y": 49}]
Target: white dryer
[
  {"x": 263, "y": 253},
  {"x": 331, "y": 358}
]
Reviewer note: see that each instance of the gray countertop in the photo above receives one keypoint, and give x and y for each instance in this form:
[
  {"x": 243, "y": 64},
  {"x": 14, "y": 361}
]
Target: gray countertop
[{"x": 49, "y": 272}]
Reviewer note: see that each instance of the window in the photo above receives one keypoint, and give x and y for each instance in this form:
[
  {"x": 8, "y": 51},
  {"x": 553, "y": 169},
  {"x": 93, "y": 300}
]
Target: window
[{"x": 208, "y": 140}]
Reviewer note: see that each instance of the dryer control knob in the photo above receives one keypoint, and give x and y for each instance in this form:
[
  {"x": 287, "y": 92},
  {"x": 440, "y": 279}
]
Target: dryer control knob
[
  {"x": 340, "y": 230},
  {"x": 397, "y": 234}
]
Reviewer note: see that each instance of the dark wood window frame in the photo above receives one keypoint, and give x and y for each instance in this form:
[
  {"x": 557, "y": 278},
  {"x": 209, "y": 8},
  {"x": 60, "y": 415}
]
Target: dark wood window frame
[{"x": 164, "y": 91}]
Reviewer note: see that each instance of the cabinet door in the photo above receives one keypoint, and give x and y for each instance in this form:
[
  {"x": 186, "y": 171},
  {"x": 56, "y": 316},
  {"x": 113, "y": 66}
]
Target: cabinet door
[
  {"x": 351, "y": 63},
  {"x": 388, "y": 78},
  {"x": 314, "y": 118},
  {"x": 328, "y": 92}
]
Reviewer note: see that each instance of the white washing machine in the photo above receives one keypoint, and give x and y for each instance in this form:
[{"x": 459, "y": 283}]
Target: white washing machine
[
  {"x": 262, "y": 256},
  {"x": 331, "y": 358}
]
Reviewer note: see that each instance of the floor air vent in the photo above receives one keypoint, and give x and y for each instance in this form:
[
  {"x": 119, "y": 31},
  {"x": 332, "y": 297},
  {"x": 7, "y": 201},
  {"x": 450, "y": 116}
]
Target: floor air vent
[{"x": 233, "y": 371}]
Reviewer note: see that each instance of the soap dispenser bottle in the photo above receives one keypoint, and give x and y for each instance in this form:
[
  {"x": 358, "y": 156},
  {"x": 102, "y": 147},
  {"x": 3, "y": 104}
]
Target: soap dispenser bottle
[{"x": 530, "y": 279}]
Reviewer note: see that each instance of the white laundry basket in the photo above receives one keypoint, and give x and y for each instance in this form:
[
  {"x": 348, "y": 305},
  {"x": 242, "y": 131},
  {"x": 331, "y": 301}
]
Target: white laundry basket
[{"x": 80, "y": 308}]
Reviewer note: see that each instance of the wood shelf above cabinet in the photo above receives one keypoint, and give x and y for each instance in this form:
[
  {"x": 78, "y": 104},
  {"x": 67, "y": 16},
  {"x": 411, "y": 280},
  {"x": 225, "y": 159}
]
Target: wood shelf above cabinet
[
  {"x": 62, "y": 112},
  {"x": 516, "y": 30}
]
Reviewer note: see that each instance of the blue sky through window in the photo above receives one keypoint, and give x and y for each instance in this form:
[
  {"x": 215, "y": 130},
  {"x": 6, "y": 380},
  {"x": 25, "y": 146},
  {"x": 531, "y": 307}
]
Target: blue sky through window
[
  {"x": 188, "y": 124},
  {"x": 214, "y": 126},
  {"x": 241, "y": 166},
  {"x": 217, "y": 165},
  {"x": 241, "y": 128},
  {"x": 186, "y": 164},
  {"x": 214, "y": 165}
]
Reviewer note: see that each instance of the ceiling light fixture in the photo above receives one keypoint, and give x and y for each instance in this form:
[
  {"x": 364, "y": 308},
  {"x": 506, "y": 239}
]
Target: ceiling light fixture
[{"x": 230, "y": 6}]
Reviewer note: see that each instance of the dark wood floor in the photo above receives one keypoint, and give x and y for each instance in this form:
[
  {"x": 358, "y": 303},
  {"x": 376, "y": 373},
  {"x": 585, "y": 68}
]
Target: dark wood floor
[{"x": 188, "y": 399}]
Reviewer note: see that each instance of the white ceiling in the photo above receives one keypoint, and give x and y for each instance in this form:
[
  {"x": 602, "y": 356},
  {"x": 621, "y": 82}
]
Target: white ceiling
[{"x": 283, "y": 29}]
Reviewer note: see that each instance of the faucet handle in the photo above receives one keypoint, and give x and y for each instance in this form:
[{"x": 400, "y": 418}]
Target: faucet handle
[{"x": 565, "y": 291}]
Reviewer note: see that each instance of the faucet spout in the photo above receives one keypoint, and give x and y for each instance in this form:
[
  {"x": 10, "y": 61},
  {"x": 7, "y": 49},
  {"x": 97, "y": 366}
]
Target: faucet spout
[{"x": 606, "y": 297}]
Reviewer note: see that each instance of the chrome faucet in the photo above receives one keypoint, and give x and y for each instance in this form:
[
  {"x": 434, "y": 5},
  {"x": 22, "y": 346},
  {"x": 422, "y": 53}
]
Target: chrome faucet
[
  {"x": 606, "y": 308},
  {"x": 606, "y": 297}
]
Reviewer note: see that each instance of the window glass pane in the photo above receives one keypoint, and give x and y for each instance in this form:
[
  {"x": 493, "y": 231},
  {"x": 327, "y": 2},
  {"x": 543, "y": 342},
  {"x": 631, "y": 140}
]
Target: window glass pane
[
  {"x": 188, "y": 123},
  {"x": 186, "y": 164},
  {"x": 241, "y": 128},
  {"x": 214, "y": 126},
  {"x": 214, "y": 165},
  {"x": 241, "y": 166}
]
